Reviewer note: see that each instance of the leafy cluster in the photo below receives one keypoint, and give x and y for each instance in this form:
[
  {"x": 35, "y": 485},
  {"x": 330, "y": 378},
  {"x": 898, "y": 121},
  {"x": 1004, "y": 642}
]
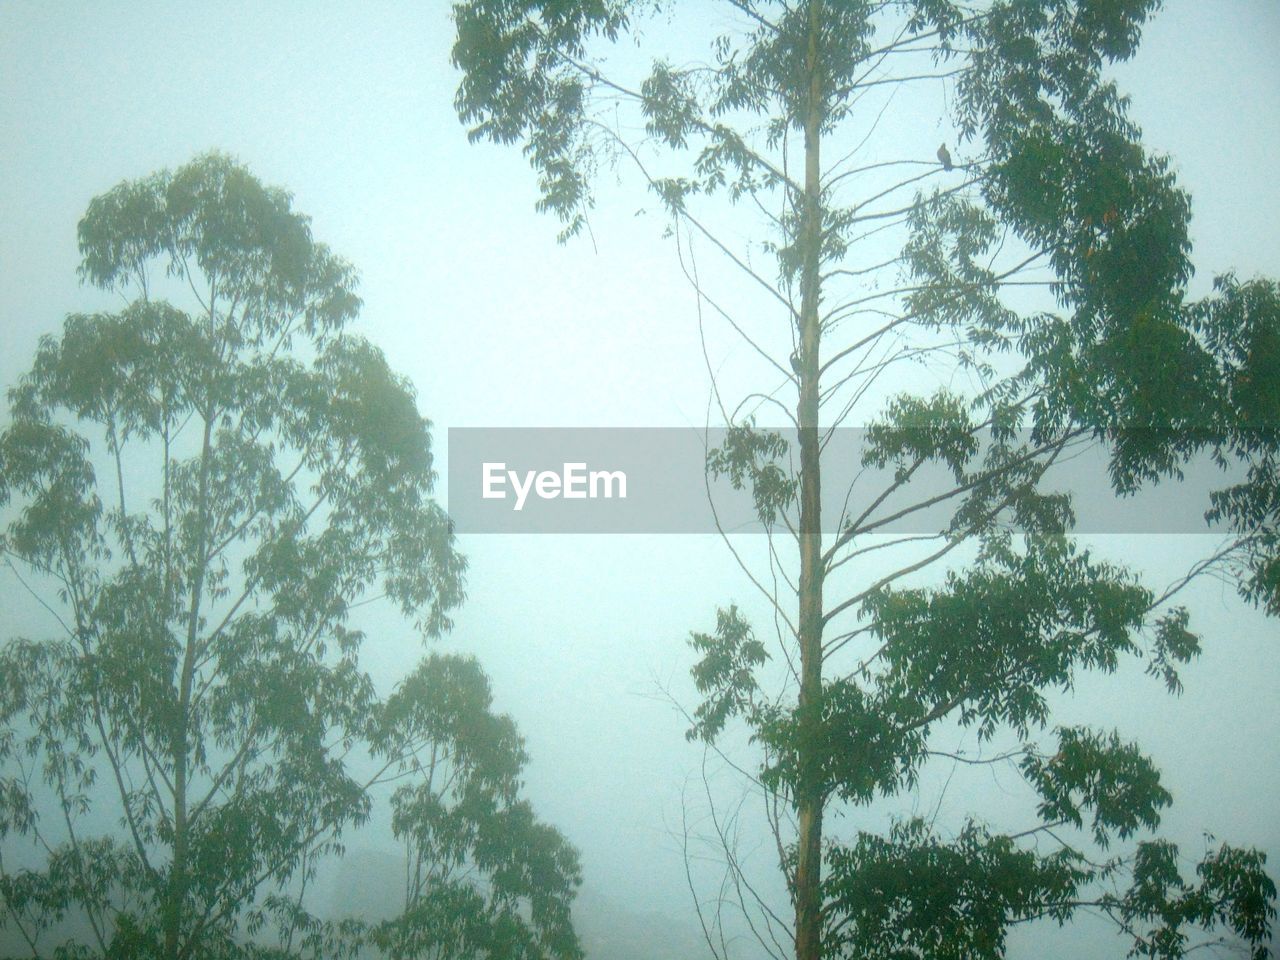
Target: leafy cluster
[
  {"x": 200, "y": 496},
  {"x": 881, "y": 257}
]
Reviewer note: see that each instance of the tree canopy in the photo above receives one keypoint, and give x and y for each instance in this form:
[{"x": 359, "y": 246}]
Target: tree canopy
[
  {"x": 202, "y": 488},
  {"x": 1037, "y": 272}
]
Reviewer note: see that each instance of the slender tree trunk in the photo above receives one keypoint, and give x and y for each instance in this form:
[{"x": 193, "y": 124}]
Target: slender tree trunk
[
  {"x": 176, "y": 895},
  {"x": 809, "y": 798}
]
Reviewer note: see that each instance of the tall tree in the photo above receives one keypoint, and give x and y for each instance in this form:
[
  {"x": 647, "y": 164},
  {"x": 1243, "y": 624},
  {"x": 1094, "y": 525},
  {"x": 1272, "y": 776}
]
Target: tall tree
[
  {"x": 200, "y": 497},
  {"x": 889, "y": 250}
]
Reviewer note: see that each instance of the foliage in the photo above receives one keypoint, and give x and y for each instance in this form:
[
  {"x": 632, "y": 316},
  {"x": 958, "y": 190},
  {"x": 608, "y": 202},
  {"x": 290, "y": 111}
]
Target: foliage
[
  {"x": 209, "y": 493},
  {"x": 884, "y": 257}
]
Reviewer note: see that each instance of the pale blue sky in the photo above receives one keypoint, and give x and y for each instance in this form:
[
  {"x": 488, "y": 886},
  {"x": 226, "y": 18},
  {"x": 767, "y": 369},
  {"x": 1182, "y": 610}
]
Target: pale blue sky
[{"x": 349, "y": 106}]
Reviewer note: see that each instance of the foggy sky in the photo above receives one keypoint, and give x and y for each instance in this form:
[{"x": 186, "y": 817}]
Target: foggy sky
[{"x": 349, "y": 106}]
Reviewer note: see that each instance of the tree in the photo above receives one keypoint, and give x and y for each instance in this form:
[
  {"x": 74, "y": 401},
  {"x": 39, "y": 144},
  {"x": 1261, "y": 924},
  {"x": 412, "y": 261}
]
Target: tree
[
  {"x": 1044, "y": 260},
  {"x": 200, "y": 499}
]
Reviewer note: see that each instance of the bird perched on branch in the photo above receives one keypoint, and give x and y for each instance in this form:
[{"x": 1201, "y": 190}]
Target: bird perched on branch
[
  {"x": 944, "y": 157},
  {"x": 795, "y": 362}
]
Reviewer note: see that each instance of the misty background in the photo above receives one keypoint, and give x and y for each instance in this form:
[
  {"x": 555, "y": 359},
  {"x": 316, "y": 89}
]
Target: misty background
[{"x": 349, "y": 107}]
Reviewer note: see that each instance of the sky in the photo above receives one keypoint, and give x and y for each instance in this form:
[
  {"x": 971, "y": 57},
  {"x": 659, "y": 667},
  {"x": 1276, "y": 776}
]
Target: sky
[{"x": 350, "y": 107}]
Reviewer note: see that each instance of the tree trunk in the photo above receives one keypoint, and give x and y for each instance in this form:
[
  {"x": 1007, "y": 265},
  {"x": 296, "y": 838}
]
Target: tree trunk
[
  {"x": 809, "y": 797},
  {"x": 176, "y": 895}
]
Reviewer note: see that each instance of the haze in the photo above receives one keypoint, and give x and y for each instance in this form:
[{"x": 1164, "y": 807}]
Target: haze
[{"x": 350, "y": 107}]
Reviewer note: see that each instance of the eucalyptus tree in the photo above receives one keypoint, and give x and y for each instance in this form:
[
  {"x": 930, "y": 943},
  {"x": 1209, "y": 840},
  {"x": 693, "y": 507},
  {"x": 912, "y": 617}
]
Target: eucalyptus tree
[
  {"x": 1041, "y": 262},
  {"x": 201, "y": 490}
]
